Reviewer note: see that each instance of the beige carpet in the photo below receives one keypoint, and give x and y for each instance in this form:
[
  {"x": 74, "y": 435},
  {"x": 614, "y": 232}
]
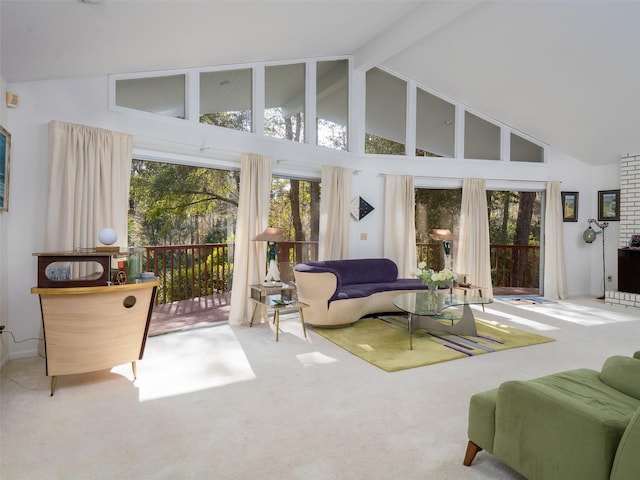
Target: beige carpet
[
  {"x": 231, "y": 403},
  {"x": 384, "y": 342}
]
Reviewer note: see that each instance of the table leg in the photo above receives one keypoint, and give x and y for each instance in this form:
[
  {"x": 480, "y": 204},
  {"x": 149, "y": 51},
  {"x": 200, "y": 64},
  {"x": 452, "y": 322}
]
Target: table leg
[
  {"x": 276, "y": 320},
  {"x": 409, "y": 319},
  {"x": 304, "y": 329},
  {"x": 464, "y": 326},
  {"x": 467, "y": 324},
  {"x": 255, "y": 307}
]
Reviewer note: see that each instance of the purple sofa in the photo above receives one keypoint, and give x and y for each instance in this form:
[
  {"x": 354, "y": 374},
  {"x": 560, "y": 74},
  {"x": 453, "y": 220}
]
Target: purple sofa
[{"x": 340, "y": 292}]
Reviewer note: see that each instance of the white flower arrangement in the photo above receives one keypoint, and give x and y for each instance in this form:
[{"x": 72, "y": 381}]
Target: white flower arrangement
[{"x": 433, "y": 279}]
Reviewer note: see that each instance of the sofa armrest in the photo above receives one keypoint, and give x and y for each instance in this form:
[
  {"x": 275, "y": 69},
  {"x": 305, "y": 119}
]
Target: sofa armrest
[
  {"x": 312, "y": 268},
  {"x": 316, "y": 290},
  {"x": 482, "y": 419},
  {"x": 623, "y": 374},
  {"x": 626, "y": 465}
]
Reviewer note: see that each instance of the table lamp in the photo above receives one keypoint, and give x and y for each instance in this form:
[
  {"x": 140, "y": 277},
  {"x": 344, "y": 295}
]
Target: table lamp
[
  {"x": 271, "y": 235},
  {"x": 445, "y": 236},
  {"x": 108, "y": 236}
]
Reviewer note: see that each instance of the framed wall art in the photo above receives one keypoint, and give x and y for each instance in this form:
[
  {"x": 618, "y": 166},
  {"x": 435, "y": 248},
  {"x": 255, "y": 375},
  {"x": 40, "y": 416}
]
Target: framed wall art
[
  {"x": 609, "y": 205},
  {"x": 570, "y": 206},
  {"x": 5, "y": 151}
]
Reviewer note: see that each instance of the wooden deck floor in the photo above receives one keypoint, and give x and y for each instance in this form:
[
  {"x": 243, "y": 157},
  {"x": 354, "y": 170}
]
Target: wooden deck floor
[{"x": 188, "y": 314}]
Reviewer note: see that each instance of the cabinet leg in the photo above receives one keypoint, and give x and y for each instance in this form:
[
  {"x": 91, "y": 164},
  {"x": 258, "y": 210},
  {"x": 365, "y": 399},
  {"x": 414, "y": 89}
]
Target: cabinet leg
[
  {"x": 54, "y": 382},
  {"x": 134, "y": 367}
]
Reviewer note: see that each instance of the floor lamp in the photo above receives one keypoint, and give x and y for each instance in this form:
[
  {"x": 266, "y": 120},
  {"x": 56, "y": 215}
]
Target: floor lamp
[{"x": 589, "y": 236}]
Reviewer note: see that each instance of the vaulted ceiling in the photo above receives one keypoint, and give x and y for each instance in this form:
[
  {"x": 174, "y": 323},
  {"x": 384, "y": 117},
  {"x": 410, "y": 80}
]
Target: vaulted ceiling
[{"x": 565, "y": 72}]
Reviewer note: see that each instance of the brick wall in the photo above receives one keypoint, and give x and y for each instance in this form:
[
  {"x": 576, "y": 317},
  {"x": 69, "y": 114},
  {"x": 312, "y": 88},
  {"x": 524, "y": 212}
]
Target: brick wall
[
  {"x": 629, "y": 198},
  {"x": 629, "y": 221}
]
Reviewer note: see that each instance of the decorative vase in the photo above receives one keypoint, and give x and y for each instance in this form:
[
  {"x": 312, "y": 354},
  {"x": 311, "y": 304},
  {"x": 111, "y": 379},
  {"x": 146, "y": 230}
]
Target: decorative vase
[
  {"x": 447, "y": 261},
  {"x": 432, "y": 297}
]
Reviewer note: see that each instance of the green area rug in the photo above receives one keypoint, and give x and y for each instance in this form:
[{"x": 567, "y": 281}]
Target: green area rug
[{"x": 384, "y": 342}]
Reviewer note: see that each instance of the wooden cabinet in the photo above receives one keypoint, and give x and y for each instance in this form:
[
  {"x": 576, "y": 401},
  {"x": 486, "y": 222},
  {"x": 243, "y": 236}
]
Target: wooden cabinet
[{"x": 94, "y": 328}]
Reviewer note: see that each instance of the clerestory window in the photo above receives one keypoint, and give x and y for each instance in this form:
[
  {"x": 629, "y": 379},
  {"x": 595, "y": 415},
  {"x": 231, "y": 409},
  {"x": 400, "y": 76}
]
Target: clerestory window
[
  {"x": 435, "y": 126},
  {"x": 386, "y": 113},
  {"x": 332, "y": 104},
  {"x": 285, "y": 102},
  {"x": 162, "y": 95},
  {"x": 226, "y": 100}
]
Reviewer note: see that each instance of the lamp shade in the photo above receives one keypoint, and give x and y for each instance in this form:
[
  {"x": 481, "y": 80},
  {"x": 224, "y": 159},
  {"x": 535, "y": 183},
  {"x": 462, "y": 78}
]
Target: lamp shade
[
  {"x": 589, "y": 235},
  {"x": 442, "y": 234},
  {"x": 108, "y": 236},
  {"x": 271, "y": 234}
]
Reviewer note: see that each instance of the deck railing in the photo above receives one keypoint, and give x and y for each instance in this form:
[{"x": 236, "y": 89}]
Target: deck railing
[
  {"x": 511, "y": 265},
  {"x": 190, "y": 271}
]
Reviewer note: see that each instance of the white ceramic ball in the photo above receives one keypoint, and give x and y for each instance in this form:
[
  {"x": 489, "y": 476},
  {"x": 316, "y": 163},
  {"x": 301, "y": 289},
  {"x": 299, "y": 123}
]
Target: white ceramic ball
[{"x": 108, "y": 236}]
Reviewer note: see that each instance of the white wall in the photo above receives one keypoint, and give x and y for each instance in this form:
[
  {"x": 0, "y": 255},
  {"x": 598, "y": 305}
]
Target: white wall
[
  {"x": 4, "y": 252},
  {"x": 85, "y": 100}
]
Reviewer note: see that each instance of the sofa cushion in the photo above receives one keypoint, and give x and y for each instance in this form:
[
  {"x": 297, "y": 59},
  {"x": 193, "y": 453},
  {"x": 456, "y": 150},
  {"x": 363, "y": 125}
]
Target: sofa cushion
[
  {"x": 361, "y": 270},
  {"x": 623, "y": 374},
  {"x": 360, "y": 290}
]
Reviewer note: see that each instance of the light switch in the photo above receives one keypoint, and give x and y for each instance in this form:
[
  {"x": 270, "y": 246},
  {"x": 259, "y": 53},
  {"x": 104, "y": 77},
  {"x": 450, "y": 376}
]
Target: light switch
[{"x": 363, "y": 236}]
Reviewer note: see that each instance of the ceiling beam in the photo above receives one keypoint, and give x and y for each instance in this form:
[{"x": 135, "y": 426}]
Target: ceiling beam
[{"x": 419, "y": 23}]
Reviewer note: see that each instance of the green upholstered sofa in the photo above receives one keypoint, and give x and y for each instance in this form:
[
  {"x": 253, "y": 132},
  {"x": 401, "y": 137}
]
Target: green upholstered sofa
[{"x": 579, "y": 424}]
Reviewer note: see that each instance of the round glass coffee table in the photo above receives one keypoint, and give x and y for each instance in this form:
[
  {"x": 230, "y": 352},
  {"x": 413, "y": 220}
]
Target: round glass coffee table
[{"x": 425, "y": 311}]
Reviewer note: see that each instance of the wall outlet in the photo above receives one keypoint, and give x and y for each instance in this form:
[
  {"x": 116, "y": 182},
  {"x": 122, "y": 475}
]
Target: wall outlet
[
  {"x": 363, "y": 236},
  {"x": 609, "y": 278}
]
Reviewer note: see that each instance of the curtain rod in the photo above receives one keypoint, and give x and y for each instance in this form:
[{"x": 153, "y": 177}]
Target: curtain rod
[
  {"x": 205, "y": 147},
  {"x": 435, "y": 177}
]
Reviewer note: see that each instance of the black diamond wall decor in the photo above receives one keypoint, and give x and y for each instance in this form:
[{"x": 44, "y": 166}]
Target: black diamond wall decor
[{"x": 360, "y": 208}]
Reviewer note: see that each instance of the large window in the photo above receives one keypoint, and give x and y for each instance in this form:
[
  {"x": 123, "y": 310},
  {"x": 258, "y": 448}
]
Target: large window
[
  {"x": 225, "y": 99},
  {"x": 332, "y": 103},
  {"x": 295, "y": 207},
  {"x": 514, "y": 232},
  {"x": 285, "y": 102},
  {"x": 386, "y": 113},
  {"x": 435, "y": 126},
  {"x": 177, "y": 204},
  {"x": 163, "y": 95}
]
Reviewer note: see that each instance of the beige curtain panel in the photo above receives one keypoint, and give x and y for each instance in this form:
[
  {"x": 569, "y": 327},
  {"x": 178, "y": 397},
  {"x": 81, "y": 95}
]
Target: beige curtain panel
[
  {"x": 335, "y": 208},
  {"x": 555, "y": 281},
  {"x": 249, "y": 257},
  {"x": 399, "y": 240},
  {"x": 473, "y": 246},
  {"x": 89, "y": 176}
]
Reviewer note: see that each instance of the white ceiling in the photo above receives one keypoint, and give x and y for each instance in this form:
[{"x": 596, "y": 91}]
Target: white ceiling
[{"x": 565, "y": 72}]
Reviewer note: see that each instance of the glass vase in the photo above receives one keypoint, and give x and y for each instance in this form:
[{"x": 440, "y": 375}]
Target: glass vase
[{"x": 432, "y": 297}]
